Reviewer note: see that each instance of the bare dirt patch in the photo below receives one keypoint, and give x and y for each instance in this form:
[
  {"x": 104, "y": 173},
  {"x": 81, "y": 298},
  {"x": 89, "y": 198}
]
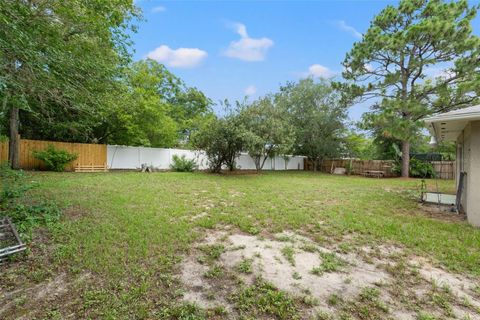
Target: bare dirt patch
[{"x": 331, "y": 280}]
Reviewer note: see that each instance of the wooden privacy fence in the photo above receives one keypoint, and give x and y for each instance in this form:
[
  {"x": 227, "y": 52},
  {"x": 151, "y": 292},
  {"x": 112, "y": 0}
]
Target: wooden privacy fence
[
  {"x": 444, "y": 169},
  {"x": 91, "y": 157}
]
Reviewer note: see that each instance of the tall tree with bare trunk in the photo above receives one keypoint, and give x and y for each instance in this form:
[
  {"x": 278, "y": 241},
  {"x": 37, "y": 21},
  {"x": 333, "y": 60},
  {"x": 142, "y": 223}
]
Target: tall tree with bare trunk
[{"x": 416, "y": 59}]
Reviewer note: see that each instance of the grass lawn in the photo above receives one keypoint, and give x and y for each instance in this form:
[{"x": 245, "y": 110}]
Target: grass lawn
[{"x": 122, "y": 238}]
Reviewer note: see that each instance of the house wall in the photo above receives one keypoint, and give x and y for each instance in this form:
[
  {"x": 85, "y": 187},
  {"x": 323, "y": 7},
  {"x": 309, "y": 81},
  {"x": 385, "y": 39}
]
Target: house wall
[
  {"x": 463, "y": 145},
  {"x": 472, "y": 167}
]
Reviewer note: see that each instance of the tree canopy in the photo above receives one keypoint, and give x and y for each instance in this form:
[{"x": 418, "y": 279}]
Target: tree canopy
[
  {"x": 157, "y": 108},
  {"x": 60, "y": 56},
  {"x": 270, "y": 130},
  {"x": 318, "y": 116},
  {"x": 398, "y": 59},
  {"x": 66, "y": 75}
]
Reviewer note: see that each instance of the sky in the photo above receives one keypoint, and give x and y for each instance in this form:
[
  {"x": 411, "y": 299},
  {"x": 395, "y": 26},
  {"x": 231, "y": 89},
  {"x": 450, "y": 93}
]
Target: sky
[{"x": 233, "y": 49}]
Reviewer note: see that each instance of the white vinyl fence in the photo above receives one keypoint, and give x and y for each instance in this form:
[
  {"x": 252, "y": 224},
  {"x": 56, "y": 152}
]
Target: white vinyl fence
[{"x": 123, "y": 157}]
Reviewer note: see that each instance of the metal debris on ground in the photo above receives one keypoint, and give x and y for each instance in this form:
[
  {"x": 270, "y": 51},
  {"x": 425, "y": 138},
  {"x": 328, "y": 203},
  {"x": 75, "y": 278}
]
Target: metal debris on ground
[{"x": 10, "y": 241}]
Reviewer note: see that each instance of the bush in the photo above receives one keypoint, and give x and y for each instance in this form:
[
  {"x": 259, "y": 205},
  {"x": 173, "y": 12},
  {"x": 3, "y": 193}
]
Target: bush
[
  {"x": 222, "y": 140},
  {"x": 418, "y": 169},
  {"x": 182, "y": 164},
  {"x": 13, "y": 184},
  {"x": 24, "y": 215},
  {"x": 55, "y": 159}
]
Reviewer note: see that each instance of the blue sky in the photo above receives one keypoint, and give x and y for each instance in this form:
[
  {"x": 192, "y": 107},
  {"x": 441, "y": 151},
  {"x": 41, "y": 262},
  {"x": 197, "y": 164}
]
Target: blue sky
[{"x": 229, "y": 49}]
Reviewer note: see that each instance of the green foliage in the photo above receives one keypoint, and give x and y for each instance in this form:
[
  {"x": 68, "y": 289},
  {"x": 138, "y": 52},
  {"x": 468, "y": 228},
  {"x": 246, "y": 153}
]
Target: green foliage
[
  {"x": 318, "y": 118},
  {"x": 357, "y": 145},
  {"x": 55, "y": 159},
  {"x": 222, "y": 139},
  {"x": 28, "y": 216},
  {"x": 394, "y": 62},
  {"x": 263, "y": 299},
  {"x": 182, "y": 164},
  {"x": 25, "y": 216},
  {"x": 212, "y": 252},
  {"x": 185, "y": 311},
  {"x": 289, "y": 254},
  {"x": 330, "y": 263},
  {"x": 418, "y": 169},
  {"x": 448, "y": 150},
  {"x": 60, "y": 61},
  {"x": 245, "y": 266},
  {"x": 270, "y": 130},
  {"x": 13, "y": 184},
  {"x": 214, "y": 272},
  {"x": 157, "y": 108}
]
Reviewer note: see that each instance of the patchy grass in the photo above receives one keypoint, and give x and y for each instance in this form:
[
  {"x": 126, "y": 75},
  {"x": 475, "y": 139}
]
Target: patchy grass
[
  {"x": 245, "y": 266},
  {"x": 289, "y": 254},
  {"x": 330, "y": 263},
  {"x": 128, "y": 231},
  {"x": 262, "y": 299}
]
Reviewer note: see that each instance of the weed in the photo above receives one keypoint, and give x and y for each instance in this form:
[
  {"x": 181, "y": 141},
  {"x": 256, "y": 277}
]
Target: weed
[
  {"x": 425, "y": 316},
  {"x": 289, "y": 254},
  {"x": 310, "y": 301},
  {"x": 296, "y": 276},
  {"x": 323, "y": 315},
  {"x": 262, "y": 298},
  {"x": 214, "y": 272},
  {"x": 345, "y": 247},
  {"x": 245, "y": 266},
  {"x": 334, "y": 300},
  {"x": 330, "y": 263},
  {"x": 212, "y": 252},
  {"x": 309, "y": 247},
  {"x": 441, "y": 301},
  {"x": 186, "y": 311}
]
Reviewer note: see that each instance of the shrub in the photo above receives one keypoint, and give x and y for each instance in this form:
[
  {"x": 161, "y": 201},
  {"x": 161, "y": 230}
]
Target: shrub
[
  {"x": 222, "y": 140},
  {"x": 55, "y": 159},
  {"x": 29, "y": 216},
  {"x": 418, "y": 169},
  {"x": 25, "y": 215},
  {"x": 13, "y": 183},
  {"x": 182, "y": 164}
]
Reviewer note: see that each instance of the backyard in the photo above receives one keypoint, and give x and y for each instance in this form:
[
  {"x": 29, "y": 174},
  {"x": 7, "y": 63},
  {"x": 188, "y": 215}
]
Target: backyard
[{"x": 279, "y": 245}]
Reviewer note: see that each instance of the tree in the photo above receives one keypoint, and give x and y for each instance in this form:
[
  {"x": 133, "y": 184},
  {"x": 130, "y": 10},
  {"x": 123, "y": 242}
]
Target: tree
[
  {"x": 160, "y": 109},
  {"x": 396, "y": 58},
  {"x": 357, "y": 145},
  {"x": 318, "y": 117},
  {"x": 222, "y": 139},
  {"x": 143, "y": 116},
  {"x": 271, "y": 132},
  {"x": 59, "y": 55}
]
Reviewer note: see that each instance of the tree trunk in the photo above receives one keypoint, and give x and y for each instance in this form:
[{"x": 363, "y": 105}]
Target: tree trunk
[
  {"x": 14, "y": 141},
  {"x": 314, "y": 162},
  {"x": 405, "y": 159},
  {"x": 257, "y": 160}
]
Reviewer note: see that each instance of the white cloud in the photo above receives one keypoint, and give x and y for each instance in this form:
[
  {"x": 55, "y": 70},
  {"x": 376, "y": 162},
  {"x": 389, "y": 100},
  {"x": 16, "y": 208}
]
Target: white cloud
[
  {"x": 342, "y": 25},
  {"x": 181, "y": 57},
  {"x": 250, "y": 90},
  {"x": 248, "y": 49},
  {"x": 369, "y": 67},
  {"x": 438, "y": 72},
  {"x": 159, "y": 9},
  {"x": 319, "y": 71}
]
